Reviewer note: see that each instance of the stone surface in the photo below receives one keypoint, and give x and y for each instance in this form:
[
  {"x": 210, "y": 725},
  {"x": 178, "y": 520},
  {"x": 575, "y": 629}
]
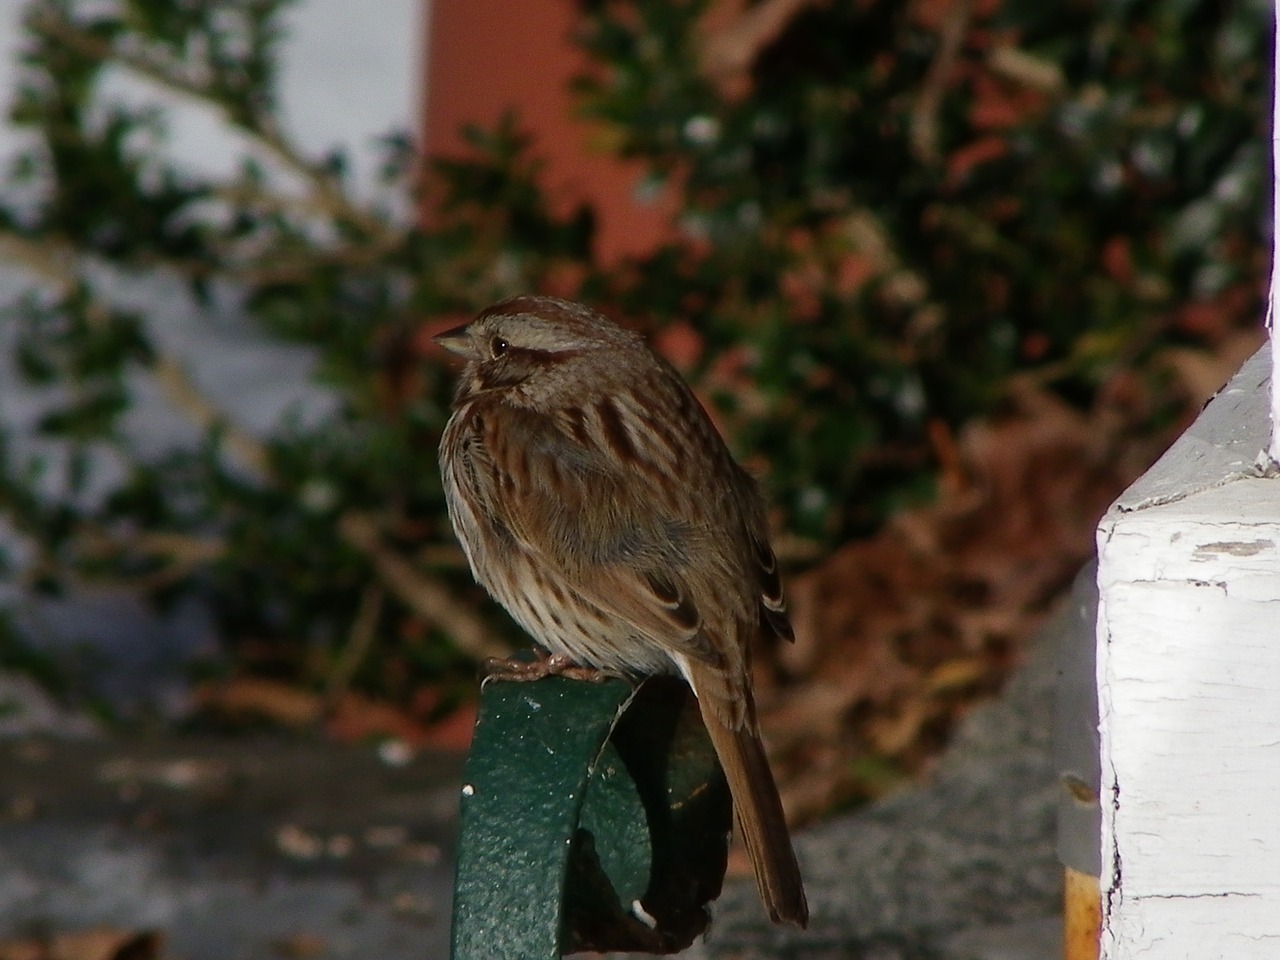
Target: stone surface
[{"x": 232, "y": 848}]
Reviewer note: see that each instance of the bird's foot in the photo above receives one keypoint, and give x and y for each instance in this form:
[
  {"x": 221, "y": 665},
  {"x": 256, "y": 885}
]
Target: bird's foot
[{"x": 546, "y": 665}]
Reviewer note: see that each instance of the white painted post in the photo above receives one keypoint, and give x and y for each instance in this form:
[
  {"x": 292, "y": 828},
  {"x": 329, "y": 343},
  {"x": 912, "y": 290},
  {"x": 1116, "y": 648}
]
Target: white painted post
[
  {"x": 1189, "y": 693},
  {"x": 1189, "y": 683}
]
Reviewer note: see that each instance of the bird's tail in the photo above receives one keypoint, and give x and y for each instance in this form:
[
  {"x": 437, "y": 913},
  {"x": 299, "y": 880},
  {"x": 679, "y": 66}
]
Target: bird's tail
[{"x": 758, "y": 809}]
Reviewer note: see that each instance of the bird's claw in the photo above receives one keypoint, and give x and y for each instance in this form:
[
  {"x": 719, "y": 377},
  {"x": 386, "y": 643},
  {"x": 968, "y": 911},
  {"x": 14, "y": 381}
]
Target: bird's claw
[{"x": 511, "y": 670}]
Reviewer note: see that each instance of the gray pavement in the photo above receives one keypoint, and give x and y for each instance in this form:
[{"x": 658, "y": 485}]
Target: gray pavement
[{"x": 234, "y": 848}]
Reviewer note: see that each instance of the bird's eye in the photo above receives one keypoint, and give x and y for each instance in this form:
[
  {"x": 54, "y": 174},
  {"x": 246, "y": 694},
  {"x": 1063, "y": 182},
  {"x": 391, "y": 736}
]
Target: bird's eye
[{"x": 497, "y": 347}]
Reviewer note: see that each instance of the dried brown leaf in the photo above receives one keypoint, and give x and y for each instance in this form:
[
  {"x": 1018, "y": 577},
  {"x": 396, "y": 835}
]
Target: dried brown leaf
[
  {"x": 299, "y": 946},
  {"x": 273, "y": 700},
  {"x": 98, "y": 943}
]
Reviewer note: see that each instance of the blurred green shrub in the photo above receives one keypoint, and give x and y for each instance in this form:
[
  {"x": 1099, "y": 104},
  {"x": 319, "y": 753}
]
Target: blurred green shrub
[
  {"x": 889, "y": 210},
  {"x": 902, "y": 205}
]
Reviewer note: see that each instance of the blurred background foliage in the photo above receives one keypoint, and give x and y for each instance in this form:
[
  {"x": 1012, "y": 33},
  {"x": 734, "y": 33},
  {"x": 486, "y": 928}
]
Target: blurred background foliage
[{"x": 893, "y": 215}]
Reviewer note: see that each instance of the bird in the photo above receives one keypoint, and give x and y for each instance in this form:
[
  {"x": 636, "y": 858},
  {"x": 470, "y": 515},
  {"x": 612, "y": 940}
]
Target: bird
[{"x": 595, "y": 500}]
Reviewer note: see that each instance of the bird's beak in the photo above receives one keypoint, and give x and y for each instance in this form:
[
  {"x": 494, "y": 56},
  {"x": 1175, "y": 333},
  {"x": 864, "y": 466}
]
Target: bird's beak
[{"x": 455, "y": 341}]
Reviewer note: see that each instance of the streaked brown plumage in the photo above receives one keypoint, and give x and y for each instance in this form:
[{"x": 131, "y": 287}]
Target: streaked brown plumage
[{"x": 597, "y": 503}]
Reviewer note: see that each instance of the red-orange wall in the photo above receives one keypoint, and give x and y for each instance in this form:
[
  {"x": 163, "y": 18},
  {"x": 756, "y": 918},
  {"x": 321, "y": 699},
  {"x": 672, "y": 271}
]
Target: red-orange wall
[{"x": 487, "y": 56}]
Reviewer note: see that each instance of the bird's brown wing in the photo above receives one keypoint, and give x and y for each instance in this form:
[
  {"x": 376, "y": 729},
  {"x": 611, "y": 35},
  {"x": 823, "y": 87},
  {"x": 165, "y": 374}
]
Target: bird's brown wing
[{"x": 606, "y": 531}]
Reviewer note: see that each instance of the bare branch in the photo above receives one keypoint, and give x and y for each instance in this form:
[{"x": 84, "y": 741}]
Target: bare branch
[
  {"x": 363, "y": 631},
  {"x": 924, "y": 118},
  {"x": 427, "y": 597},
  {"x": 328, "y": 194}
]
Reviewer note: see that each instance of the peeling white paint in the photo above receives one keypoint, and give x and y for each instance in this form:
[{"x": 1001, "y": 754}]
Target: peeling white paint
[{"x": 1189, "y": 707}]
